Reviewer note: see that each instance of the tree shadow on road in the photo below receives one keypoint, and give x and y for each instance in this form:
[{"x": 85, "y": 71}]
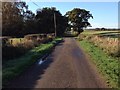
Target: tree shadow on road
[{"x": 29, "y": 78}]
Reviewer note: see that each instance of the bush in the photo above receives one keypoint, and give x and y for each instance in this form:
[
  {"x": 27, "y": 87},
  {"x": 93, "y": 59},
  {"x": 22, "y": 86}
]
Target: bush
[
  {"x": 16, "y": 47},
  {"x": 40, "y": 38},
  {"x": 35, "y": 36},
  {"x": 15, "y": 50}
]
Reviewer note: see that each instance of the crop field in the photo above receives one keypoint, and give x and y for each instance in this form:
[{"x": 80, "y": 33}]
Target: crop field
[{"x": 104, "y": 51}]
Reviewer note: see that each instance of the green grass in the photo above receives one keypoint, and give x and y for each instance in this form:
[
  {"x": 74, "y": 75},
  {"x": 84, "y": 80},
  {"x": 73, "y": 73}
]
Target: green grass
[
  {"x": 91, "y": 32},
  {"x": 106, "y": 65},
  {"x": 13, "y": 68}
]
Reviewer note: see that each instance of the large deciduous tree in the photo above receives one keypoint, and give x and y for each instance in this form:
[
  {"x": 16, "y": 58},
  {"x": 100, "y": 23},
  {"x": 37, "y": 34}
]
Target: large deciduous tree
[
  {"x": 78, "y": 19},
  {"x": 9, "y": 18},
  {"x": 13, "y": 18}
]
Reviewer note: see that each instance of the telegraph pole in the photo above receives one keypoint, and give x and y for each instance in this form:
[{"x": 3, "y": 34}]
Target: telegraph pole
[{"x": 55, "y": 25}]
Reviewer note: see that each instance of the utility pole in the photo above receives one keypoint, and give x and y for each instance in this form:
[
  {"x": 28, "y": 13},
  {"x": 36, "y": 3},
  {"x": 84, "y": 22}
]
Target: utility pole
[{"x": 55, "y": 25}]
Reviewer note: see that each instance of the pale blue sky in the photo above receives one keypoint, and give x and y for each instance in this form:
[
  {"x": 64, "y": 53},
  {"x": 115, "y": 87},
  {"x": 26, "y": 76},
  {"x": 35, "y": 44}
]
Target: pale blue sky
[{"x": 105, "y": 13}]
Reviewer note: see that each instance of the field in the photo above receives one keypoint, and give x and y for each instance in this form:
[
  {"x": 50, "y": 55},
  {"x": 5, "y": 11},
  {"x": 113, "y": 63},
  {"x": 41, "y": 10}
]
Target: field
[
  {"x": 103, "y": 48},
  {"x": 99, "y": 32}
]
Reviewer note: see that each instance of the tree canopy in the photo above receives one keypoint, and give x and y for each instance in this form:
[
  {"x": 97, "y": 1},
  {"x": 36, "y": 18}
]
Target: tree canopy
[
  {"x": 46, "y": 23},
  {"x": 78, "y": 19},
  {"x": 18, "y": 20},
  {"x": 12, "y": 17}
]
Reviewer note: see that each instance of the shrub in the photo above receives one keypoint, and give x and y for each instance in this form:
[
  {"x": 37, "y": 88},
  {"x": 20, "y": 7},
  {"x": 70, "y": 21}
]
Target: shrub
[
  {"x": 16, "y": 47},
  {"x": 11, "y": 51}
]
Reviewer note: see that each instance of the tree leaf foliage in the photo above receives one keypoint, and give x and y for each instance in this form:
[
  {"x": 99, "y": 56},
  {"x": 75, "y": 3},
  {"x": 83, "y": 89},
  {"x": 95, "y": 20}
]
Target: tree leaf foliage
[{"x": 78, "y": 18}]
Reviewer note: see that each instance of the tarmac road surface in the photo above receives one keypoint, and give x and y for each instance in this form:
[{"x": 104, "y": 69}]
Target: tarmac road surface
[{"x": 66, "y": 67}]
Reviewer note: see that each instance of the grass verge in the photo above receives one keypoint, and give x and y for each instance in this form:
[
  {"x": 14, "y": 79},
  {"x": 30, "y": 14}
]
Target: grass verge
[
  {"x": 15, "y": 67},
  {"x": 108, "y": 66}
]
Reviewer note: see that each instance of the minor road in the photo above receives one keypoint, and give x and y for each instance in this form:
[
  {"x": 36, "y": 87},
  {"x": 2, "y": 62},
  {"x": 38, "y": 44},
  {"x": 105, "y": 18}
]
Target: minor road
[{"x": 66, "y": 67}]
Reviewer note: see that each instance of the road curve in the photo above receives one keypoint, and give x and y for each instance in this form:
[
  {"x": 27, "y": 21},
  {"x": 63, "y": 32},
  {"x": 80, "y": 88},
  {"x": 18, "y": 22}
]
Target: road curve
[{"x": 66, "y": 67}]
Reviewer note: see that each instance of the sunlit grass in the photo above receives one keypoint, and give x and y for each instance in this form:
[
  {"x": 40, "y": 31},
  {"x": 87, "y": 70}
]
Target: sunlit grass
[
  {"x": 107, "y": 65},
  {"x": 102, "y": 46},
  {"x": 98, "y": 32}
]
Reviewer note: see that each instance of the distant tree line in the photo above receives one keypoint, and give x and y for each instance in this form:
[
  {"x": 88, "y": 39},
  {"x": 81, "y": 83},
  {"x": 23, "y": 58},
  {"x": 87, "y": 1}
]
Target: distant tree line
[
  {"x": 18, "y": 20},
  {"x": 104, "y": 29}
]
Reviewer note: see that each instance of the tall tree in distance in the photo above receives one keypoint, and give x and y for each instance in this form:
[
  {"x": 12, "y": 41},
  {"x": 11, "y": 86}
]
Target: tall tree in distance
[{"x": 78, "y": 19}]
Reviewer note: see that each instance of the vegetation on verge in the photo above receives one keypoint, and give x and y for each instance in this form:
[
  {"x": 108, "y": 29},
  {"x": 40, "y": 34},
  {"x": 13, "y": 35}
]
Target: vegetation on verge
[
  {"x": 107, "y": 64},
  {"x": 19, "y": 46},
  {"x": 14, "y": 67},
  {"x": 108, "y": 41}
]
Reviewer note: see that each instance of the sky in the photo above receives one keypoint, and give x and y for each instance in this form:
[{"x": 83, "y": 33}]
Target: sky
[{"x": 105, "y": 14}]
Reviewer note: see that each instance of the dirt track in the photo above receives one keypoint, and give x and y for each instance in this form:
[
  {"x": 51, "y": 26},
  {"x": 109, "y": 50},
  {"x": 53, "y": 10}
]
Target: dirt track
[{"x": 66, "y": 67}]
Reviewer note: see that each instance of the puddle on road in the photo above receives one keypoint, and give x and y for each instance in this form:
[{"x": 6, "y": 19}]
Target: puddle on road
[
  {"x": 40, "y": 62},
  {"x": 43, "y": 60}
]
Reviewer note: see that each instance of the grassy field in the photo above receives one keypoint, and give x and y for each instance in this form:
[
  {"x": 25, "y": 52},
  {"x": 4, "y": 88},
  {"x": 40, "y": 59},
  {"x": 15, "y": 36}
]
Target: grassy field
[
  {"x": 107, "y": 64},
  {"x": 110, "y": 34},
  {"x": 12, "y": 68},
  {"x": 98, "y": 32}
]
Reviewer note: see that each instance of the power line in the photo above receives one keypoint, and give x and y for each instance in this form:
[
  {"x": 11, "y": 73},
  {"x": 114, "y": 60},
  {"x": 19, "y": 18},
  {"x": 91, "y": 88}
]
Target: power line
[{"x": 35, "y": 3}]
